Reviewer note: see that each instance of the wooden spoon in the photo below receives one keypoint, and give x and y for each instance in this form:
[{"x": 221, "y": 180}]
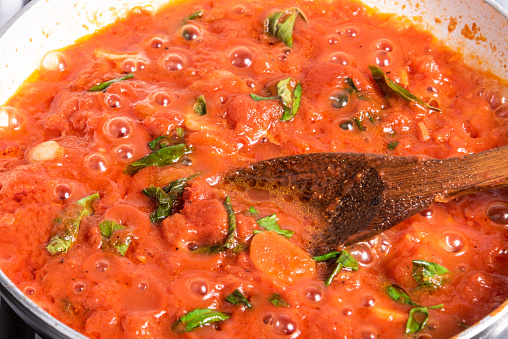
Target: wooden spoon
[{"x": 360, "y": 195}]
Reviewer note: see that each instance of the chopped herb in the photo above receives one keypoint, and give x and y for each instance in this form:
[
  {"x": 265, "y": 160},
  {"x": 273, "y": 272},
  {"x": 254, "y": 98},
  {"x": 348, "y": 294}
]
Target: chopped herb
[
  {"x": 259, "y": 98},
  {"x": 285, "y": 93},
  {"x": 290, "y": 100},
  {"x": 413, "y": 325},
  {"x": 165, "y": 156},
  {"x": 277, "y": 301},
  {"x": 103, "y": 86},
  {"x": 115, "y": 236},
  {"x": 237, "y": 297},
  {"x": 158, "y": 143},
  {"x": 71, "y": 220},
  {"x": 270, "y": 224},
  {"x": 289, "y": 113},
  {"x": 167, "y": 197},
  {"x": 285, "y": 30},
  {"x": 353, "y": 89},
  {"x": 382, "y": 79},
  {"x": 393, "y": 144},
  {"x": 398, "y": 294},
  {"x": 271, "y": 23},
  {"x": 198, "y": 318},
  {"x": 230, "y": 238},
  {"x": 281, "y": 24},
  {"x": 176, "y": 137},
  {"x": 200, "y": 106},
  {"x": 359, "y": 123},
  {"x": 428, "y": 273},
  {"x": 351, "y": 84},
  {"x": 239, "y": 247},
  {"x": 371, "y": 118},
  {"x": 463, "y": 324},
  {"x": 193, "y": 16},
  {"x": 254, "y": 212},
  {"x": 344, "y": 260},
  {"x": 326, "y": 257}
]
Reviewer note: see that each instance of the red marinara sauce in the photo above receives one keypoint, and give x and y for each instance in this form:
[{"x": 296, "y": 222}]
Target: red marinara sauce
[{"x": 137, "y": 279}]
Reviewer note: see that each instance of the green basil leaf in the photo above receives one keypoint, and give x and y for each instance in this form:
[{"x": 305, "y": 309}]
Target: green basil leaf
[
  {"x": 230, "y": 238},
  {"x": 345, "y": 260},
  {"x": 289, "y": 113},
  {"x": 285, "y": 93},
  {"x": 435, "y": 307},
  {"x": 167, "y": 197},
  {"x": 353, "y": 89},
  {"x": 290, "y": 100},
  {"x": 359, "y": 123},
  {"x": 198, "y": 318},
  {"x": 351, "y": 84},
  {"x": 463, "y": 324},
  {"x": 277, "y": 301},
  {"x": 285, "y": 30},
  {"x": 254, "y": 212},
  {"x": 60, "y": 243},
  {"x": 428, "y": 273},
  {"x": 239, "y": 247},
  {"x": 270, "y": 224},
  {"x": 108, "y": 227},
  {"x": 111, "y": 239},
  {"x": 210, "y": 249},
  {"x": 200, "y": 106},
  {"x": 259, "y": 98},
  {"x": 413, "y": 325},
  {"x": 271, "y": 23},
  {"x": 193, "y": 16},
  {"x": 326, "y": 257},
  {"x": 165, "y": 156},
  {"x": 103, "y": 86},
  {"x": 71, "y": 220},
  {"x": 165, "y": 203},
  {"x": 382, "y": 78},
  {"x": 398, "y": 294},
  {"x": 158, "y": 143},
  {"x": 332, "y": 275},
  {"x": 175, "y": 137},
  {"x": 237, "y": 297},
  {"x": 392, "y": 145}
]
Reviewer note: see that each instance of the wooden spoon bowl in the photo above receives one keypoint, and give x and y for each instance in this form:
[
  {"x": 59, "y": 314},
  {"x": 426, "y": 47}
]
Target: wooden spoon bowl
[{"x": 360, "y": 195}]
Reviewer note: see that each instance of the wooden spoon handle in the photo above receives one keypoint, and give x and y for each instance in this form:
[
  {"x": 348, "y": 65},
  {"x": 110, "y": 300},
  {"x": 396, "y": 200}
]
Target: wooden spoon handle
[
  {"x": 443, "y": 180},
  {"x": 473, "y": 173}
]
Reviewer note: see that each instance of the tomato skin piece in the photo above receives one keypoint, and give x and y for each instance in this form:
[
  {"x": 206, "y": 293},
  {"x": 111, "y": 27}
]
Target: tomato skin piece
[
  {"x": 280, "y": 259},
  {"x": 209, "y": 219}
]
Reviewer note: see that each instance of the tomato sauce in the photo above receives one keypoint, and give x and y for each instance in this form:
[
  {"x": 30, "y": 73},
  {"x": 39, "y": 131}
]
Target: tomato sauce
[{"x": 62, "y": 143}]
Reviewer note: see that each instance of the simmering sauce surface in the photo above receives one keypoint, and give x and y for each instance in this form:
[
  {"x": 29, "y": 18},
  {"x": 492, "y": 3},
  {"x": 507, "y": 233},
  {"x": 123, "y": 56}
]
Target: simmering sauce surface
[{"x": 61, "y": 143}]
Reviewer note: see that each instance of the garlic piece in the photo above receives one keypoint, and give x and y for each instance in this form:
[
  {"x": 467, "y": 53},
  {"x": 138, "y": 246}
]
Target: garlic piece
[{"x": 46, "y": 151}]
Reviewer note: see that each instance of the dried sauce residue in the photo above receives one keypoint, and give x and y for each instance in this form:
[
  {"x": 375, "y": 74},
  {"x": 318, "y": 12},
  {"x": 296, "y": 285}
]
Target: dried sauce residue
[
  {"x": 472, "y": 33},
  {"x": 452, "y": 25}
]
